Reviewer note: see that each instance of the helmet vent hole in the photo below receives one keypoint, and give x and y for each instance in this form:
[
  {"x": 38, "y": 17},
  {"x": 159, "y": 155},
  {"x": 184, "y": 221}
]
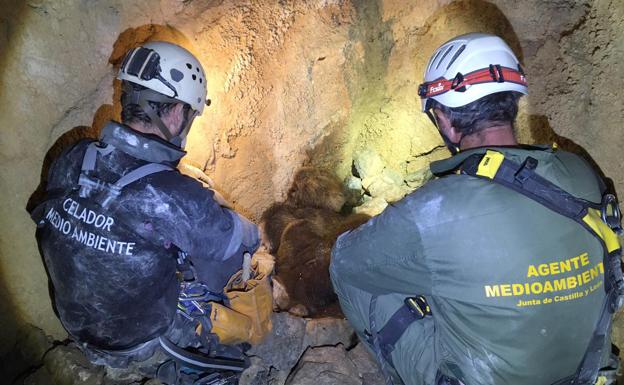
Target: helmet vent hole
[
  {"x": 201, "y": 80},
  {"x": 197, "y": 68},
  {"x": 194, "y": 77},
  {"x": 434, "y": 59},
  {"x": 176, "y": 75},
  {"x": 189, "y": 66},
  {"x": 459, "y": 51},
  {"x": 444, "y": 56}
]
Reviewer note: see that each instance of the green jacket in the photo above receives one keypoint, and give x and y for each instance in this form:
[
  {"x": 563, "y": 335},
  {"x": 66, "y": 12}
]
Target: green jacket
[{"x": 515, "y": 289}]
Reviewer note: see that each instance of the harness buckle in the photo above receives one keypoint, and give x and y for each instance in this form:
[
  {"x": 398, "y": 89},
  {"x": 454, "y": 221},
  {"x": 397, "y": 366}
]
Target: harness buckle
[
  {"x": 418, "y": 306},
  {"x": 611, "y": 214},
  {"x": 526, "y": 169}
]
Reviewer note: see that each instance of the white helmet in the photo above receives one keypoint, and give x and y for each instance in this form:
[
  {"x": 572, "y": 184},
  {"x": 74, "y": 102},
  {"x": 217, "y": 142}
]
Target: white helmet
[
  {"x": 169, "y": 74},
  {"x": 468, "y": 68},
  {"x": 167, "y": 69}
]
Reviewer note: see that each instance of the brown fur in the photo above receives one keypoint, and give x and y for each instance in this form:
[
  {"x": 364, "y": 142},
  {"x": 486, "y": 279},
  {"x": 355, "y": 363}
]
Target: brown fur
[
  {"x": 301, "y": 232},
  {"x": 312, "y": 187}
]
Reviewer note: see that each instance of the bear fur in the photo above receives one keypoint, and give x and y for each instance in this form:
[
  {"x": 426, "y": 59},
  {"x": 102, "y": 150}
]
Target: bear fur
[{"x": 301, "y": 232}]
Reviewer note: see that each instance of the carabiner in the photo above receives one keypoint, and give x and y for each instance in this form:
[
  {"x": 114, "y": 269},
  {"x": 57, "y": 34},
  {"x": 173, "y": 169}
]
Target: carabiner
[{"x": 611, "y": 214}]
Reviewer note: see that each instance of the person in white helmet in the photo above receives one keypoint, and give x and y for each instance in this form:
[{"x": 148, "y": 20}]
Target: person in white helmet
[
  {"x": 121, "y": 227},
  {"x": 505, "y": 269}
]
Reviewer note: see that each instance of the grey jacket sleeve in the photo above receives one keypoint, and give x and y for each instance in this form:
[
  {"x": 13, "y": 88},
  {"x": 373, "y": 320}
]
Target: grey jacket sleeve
[
  {"x": 185, "y": 214},
  {"x": 214, "y": 237},
  {"x": 245, "y": 236},
  {"x": 382, "y": 256}
]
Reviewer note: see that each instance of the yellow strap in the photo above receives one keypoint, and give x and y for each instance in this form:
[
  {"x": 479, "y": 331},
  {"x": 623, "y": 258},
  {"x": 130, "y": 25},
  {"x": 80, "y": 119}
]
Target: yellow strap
[
  {"x": 601, "y": 380},
  {"x": 490, "y": 164},
  {"x": 601, "y": 229}
]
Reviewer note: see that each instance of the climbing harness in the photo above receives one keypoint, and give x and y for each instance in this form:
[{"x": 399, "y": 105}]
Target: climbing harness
[
  {"x": 601, "y": 220},
  {"x": 212, "y": 363},
  {"x": 195, "y": 300},
  {"x": 104, "y": 192},
  {"x": 413, "y": 309},
  {"x": 384, "y": 339}
]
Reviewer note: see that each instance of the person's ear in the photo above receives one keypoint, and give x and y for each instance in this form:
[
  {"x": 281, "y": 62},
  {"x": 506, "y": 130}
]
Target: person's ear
[
  {"x": 445, "y": 125},
  {"x": 174, "y": 118},
  {"x": 178, "y": 110}
]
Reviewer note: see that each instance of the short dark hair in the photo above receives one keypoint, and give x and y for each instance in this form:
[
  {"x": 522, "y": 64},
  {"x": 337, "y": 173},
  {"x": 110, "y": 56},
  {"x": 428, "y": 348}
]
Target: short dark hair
[
  {"x": 133, "y": 113},
  {"x": 497, "y": 108}
]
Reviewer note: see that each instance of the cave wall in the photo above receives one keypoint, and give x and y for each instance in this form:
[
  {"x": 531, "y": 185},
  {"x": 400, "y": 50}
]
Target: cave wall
[{"x": 292, "y": 83}]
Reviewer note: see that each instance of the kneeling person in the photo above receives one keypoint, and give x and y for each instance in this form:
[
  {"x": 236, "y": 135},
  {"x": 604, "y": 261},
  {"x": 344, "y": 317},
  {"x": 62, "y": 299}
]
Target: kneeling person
[
  {"x": 119, "y": 221},
  {"x": 501, "y": 271}
]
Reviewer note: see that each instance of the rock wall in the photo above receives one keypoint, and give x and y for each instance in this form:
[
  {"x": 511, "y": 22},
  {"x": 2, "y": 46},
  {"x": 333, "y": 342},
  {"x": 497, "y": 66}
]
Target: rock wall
[{"x": 293, "y": 83}]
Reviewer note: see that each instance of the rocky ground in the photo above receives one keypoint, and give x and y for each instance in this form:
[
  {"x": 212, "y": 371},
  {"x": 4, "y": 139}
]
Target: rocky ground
[{"x": 298, "y": 352}]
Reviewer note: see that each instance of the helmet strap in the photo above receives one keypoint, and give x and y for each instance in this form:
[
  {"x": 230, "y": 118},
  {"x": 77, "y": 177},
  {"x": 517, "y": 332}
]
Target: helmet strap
[
  {"x": 143, "y": 99},
  {"x": 180, "y": 139},
  {"x": 153, "y": 115},
  {"x": 452, "y": 146}
]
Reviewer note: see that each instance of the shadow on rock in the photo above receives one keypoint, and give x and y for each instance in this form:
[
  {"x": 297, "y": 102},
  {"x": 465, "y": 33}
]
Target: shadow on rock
[
  {"x": 542, "y": 132},
  {"x": 64, "y": 143}
]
